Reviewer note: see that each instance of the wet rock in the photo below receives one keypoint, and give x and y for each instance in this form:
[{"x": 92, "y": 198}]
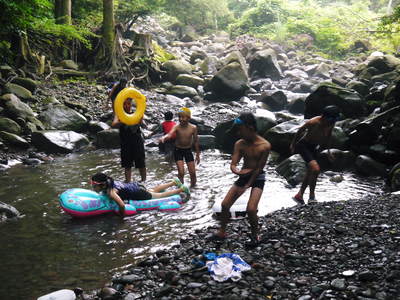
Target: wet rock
[{"x": 58, "y": 141}]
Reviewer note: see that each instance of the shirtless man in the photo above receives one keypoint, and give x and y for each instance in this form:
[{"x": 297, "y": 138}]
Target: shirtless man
[
  {"x": 254, "y": 150},
  {"x": 185, "y": 137},
  {"x": 315, "y": 132}
]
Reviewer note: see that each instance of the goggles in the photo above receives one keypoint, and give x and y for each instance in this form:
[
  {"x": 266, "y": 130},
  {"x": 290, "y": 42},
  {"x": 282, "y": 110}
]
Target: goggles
[
  {"x": 238, "y": 121},
  {"x": 92, "y": 182}
]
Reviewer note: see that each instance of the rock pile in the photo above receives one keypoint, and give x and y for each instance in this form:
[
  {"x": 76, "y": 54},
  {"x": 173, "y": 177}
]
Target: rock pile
[{"x": 335, "y": 250}]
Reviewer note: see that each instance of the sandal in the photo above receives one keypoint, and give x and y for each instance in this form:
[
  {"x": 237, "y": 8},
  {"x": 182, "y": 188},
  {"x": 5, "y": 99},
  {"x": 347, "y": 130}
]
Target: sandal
[
  {"x": 298, "y": 199},
  {"x": 312, "y": 201},
  {"x": 185, "y": 189},
  {"x": 177, "y": 182}
]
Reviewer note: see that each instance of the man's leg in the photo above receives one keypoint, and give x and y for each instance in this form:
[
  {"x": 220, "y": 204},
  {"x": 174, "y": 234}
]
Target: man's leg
[
  {"x": 128, "y": 174},
  {"x": 143, "y": 173},
  {"x": 192, "y": 172},
  {"x": 312, "y": 180},
  {"x": 233, "y": 194},
  {"x": 252, "y": 209},
  {"x": 181, "y": 170}
]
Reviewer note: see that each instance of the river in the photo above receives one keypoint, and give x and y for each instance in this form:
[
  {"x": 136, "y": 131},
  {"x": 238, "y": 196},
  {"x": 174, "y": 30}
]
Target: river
[{"x": 47, "y": 250}]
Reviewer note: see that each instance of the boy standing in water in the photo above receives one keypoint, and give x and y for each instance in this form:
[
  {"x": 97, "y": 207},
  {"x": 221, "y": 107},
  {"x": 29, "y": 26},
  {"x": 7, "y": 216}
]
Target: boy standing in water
[
  {"x": 314, "y": 133},
  {"x": 186, "y": 138},
  {"x": 169, "y": 146},
  {"x": 132, "y": 145},
  {"x": 254, "y": 150}
]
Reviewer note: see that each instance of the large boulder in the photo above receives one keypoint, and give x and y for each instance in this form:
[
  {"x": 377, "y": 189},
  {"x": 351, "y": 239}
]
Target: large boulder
[
  {"x": 369, "y": 167},
  {"x": 341, "y": 160},
  {"x": 61, "y": 117},
  {"x": 394, "y": 177},
  {"x": 293, "y": 169},
  {"x": 384, "y": 64},
  {"x": 211, "y": 65},
  {"x": 349, "y": 102},
  {"x": 27, "y": 83},
  {"x": 108, "y": 139},
  {"x": 176, "y": 67},
  {"x": 15, "y": 107},
  {"x": 19, "y": 91},
  {"x": 229, "y": 83},
  {"x": 10, "y": 126},
  {"x": 275, "y": 101},
  {"x": 182, "y": 91},
  {"x": 189, "y": 80},
  {"x": 368, "y": 131},
  {"x": 58, "y": 141},
  {"x": 281, "y": 136},
  {"x": 13, "y": 140},
  {"x": 207, "y": 141},
  {"x": 264, "y": 64},
  {"x": 224, "y": 137}
]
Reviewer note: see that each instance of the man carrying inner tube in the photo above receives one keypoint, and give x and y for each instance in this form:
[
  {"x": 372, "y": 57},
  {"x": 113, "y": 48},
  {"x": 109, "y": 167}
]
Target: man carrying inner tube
[{"x": 132, "y": 145}]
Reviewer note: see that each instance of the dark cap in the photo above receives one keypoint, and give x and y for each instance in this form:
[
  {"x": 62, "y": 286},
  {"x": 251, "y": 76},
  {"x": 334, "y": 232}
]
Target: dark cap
[
  {"x": 246, "y": 118},
  {"x": 331, "y": 113}
]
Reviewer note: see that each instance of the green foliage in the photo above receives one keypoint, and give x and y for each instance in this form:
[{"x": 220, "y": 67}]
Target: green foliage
[
  {"x": 62, "y": 33},
  {"x": 161, "y": 54},
  {"x": 238, "y": 7},
  {"x": 22, "y": 14},
  {"x": 201, "y": 14},
  {"x": 128, "y": 10},
  {"x": 389, "y": 31},
  {"x": 260, "y": 20}
]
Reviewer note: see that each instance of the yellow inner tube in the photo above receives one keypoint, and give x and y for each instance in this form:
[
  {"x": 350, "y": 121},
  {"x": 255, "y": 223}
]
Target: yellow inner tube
[{"x": 124, "y": 117}]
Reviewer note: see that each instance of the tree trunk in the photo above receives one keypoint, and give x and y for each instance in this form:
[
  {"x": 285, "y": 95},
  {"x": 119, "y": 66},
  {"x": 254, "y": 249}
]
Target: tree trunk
[
  {"x": 141, "y": 45},
  {"x": 62, "y": 11},
  {"x": 109, "y": 33}
]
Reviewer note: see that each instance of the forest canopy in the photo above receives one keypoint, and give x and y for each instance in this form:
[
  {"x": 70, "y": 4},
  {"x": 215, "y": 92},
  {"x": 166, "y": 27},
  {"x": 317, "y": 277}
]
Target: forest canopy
[{"x": 328, "y": 27}]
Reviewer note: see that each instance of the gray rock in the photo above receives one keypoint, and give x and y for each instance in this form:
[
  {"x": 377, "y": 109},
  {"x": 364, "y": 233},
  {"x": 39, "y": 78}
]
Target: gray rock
[
  {"x": 10, "y": 126},
  {"x": 58, "y": 141},
  {"x": 61, "y": 117},
  {"x": 108, "y": 139},
  {"x": 19, "y": 91},
  {"x": 13, "y": 140}
]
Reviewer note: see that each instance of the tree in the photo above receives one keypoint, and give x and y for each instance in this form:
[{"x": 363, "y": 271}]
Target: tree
[
  {"x": 109, "y": 33},
  {"x": 62, "y": 11}
]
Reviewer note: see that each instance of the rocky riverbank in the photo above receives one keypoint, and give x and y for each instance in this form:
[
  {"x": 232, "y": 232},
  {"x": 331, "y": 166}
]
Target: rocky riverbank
[{"x": 331, "y": 250}]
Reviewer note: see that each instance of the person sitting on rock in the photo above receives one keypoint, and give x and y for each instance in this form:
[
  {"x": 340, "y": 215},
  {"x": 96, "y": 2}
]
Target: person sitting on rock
[
  {"x": 120, "y": 191},
  {"x": 314, "y": 133}
]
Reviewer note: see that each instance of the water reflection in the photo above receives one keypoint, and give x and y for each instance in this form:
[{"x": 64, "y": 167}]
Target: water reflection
[{"x": 47, "y": 250}]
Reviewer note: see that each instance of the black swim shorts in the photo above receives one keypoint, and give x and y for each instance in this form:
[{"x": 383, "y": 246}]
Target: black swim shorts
[
  {"x": 258, "y": 183},
  {"x": 307, "y": 151},
  {"x": 142, "y": 194},
  {"x": 133, "y": 152},
  {"x": 180, "y": 153}
]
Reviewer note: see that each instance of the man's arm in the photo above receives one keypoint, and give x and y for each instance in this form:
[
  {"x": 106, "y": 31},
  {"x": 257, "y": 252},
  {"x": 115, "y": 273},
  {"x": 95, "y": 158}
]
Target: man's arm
[
  {"x": 236, "y": 157},
  {"x": 196, "y": 144},
  {"x": 169, "y": 135},
  {"x": 299, "y": 134}
]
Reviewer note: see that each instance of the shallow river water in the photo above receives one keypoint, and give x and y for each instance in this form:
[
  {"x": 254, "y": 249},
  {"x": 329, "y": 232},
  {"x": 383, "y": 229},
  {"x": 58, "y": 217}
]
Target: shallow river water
[{"x": 47, "y": 250}]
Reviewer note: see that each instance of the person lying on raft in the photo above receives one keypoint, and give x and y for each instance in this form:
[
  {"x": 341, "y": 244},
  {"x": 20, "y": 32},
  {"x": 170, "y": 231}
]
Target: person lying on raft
[{"x": 120, "y": 191}]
